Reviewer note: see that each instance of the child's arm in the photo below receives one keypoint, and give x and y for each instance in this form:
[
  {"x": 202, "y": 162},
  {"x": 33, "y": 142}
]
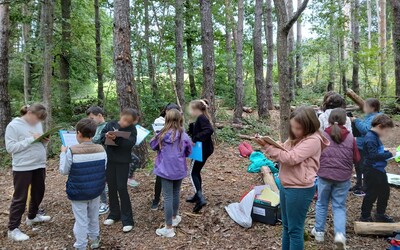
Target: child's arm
[
  {"x": 14, "y": 146},
  {"x": 187, "y": 144},
  {"x": 206, "y": 130},
  {"x": 128, "y": 143},
  {"x": 65, "y": 161},
  {"x": 97, "y": 137},
  {"x": 104, "y": 131},
  {"x": 371, "y": 147},
  {"x": 154, "y": 144},
  {"x": 348, "y": 125},
  {"x": 356, "y": 152},
  {"x": 362, "y": 126}
]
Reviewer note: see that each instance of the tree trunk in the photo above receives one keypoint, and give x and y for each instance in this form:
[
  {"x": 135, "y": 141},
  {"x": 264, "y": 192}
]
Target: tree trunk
[
  {"x": 284, "y": 26},
  {"x": 258, "y": 62},
  {"x": 382, "y": 45},
  {"x": 65, "y": 95},
  {"x": 355, "y": 27},
  {"x": 207, "y": 46},
  {"x": 239, "y": 90},
  {"x": 299, "y": 57},
  {"x": 342, "y": 53},
  {"x": 396, "y": 44},
  {"x": 228, "y": 41},
  {"x": 333, "y": 44},
  {"x": 46, "y": 29},
  {"x": 5, "y": 109},
  {"x": 291, "y": 58},
  {"x": 189, "y": 49},
  {"x": 369, "y": 23},
  {"x": 150, "y": 64},
  {"x": 26, "y": 34},
  {"x": 99, "y": 67},
  {"x": 269, "y": 34},
  {"x": 179, "y": 71}
]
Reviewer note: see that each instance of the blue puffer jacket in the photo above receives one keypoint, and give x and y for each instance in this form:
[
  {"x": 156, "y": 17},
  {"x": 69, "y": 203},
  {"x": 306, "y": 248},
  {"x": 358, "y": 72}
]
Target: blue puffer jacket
[
  {"x": 375, "y": 153},
  {"x": 363, "y": 126}
]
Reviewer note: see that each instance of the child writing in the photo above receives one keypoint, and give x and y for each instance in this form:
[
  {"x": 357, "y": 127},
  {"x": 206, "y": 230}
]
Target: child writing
[
  {"x": 159, "y": 122},
  {"x": 200, "y": 131},
  {"x": 371, "y": 109},
  {"x": 28, "y": 165},
  {"x": 118, "y": 159},
  {"x": 85, "y": 165},
  {"x": 97, "y": 114},
  {"x": 299, "y": 166},
  {"x": 334, "y": 177},
  {"x": 173, "y": 145},
  {"x": 331, "y": 102},
  {"x": 375, "y": 162}
]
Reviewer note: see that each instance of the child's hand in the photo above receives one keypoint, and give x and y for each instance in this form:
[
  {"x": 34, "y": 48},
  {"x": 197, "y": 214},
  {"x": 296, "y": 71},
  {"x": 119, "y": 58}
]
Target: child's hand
[
  {"x": 260, "y": 141},
  {"x": 111, "y": 136},
  {"x": 64, "y": 149},
  {"x": 36, "y": 136},
  {"x": 46, "y": 140}
]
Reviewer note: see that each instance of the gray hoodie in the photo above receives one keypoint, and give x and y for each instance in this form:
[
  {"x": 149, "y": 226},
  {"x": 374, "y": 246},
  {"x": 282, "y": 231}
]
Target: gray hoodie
[{"x": 25, "y": 155}]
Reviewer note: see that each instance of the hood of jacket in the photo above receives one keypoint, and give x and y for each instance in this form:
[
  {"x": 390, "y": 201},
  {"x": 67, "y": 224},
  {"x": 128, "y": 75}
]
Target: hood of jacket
[{"x": 343, "y": 131}]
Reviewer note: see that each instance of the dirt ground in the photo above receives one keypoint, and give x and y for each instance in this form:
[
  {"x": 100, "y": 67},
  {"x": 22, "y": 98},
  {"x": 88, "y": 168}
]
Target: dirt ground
[{"x": 226, "y": 180}]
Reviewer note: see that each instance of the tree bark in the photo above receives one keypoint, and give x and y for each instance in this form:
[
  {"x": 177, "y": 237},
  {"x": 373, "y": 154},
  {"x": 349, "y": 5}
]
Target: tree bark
[
  {"x": 342, "y": 53},
  {"x": 5, "y": 108},
  {"x": 291, "y": 62},
  {"x": 228, "y": 41},
  {"x": 149, "y": 55},
  {"x": 65, "y": 95},
  {"x": 333, "y": 44},
  {"x": 258, "y": 61},
  {"x": 382, "y": 46},
  {"x": 299, "y": 57},
  {"x": 26, "y": 35},
  {"x": 369, "y": 23},
  {"x": 189, "y": 49},
  {"x": 99, "y": 67},
  {"x": 179, "y": 70},
  {"x": 269, "y": 34},
  {"x": 355, "y": 27},
  {"x": 396, "y": 44},
  {"x": 207, "y": 46},
  {"x": 284, "y": 25},
  {"x": 239, "y": 90}
]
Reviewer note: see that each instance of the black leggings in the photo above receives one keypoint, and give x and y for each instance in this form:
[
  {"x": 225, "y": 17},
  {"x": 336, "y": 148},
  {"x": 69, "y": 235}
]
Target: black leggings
[
  {"x": 195, "y": 173},
  {"x": 157, "y": 189}
]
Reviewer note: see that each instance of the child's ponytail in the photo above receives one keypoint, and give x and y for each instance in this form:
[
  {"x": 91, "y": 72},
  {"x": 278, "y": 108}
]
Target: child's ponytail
[
  {"x": 337, "y": 118},
  {"x": 37, "y": 109}
]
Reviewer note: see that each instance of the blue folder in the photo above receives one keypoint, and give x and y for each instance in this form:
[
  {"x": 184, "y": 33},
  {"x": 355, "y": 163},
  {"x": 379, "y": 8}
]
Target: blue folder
[{"x": 197, "y": 152}]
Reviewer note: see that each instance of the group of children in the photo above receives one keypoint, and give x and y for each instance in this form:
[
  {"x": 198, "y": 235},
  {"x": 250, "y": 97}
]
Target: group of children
[
  {"x": 94, "y": 164},
  {"x": 324, "y": 146}
]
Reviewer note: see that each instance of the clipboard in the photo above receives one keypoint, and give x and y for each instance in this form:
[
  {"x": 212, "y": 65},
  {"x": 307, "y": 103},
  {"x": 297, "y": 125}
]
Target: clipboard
[
  {"x": 142, "y": 133},
  {"x": 123, "y": 134},
  {"x": 271, "y": 141},
  {"x": 68, "y": 138},
  {"x": 197, "y": 152},
  {"x": 47, "y": 134},
  {"x": 157, "y": 127}
]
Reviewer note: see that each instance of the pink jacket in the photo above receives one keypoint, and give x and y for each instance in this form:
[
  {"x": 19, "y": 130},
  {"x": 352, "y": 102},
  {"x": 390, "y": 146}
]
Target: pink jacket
[{"x": 300, "y": 163}]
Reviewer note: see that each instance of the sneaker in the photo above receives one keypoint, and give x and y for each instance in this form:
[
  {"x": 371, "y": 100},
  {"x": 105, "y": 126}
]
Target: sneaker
[
  {"x": 103, "y": 209},
  {"x": 340, "y": 241},
  {"x": 366, "y": 219},
  {"x": 383, "y": 218},
  {"x": 319, "y": 236},
  {"x": 176, "y": 221},
  {"x": 109, "y": 222},
  {"x": 133, "y": 183},
  {"x": 165, "y": 232},
  {"x": 17, "y": 235},
  {"x": 95, "y": 243},
  {"x": 359, "y": 193},
  {"x": 38, "y": 219},
  {"x": 154, "y": 205},
  {"x": 127, "y": 229}
]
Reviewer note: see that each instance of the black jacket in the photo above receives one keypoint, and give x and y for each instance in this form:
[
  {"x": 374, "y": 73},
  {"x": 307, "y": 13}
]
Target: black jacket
[
  {"x": 122, "y": 152},
  {"x": 202, "y": 130}
]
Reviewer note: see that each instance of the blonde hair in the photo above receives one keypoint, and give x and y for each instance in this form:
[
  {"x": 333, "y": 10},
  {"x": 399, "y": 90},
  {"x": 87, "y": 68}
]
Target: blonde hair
[
  {"x": 174, "y": 122},
  {"x": 37, "y": 109},
  {"x": 203, "y": 105}
]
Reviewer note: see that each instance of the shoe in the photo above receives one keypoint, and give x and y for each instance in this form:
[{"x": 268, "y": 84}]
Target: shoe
[
  {"x": 176, "y": 221},
  {"x": 366, "y": 219},
  {"x": 95, "y": 243},
  {"x": 109, "y": 222},
  {"x": 340, "y": 241},
  {"x": 127, "y": 229},
  {"x": 383, "y": 218},
  {"x": 319, "y": 236},
  {"x": 41, "y": 211},
  {"x": 17, "y": 235},
  {"x": 359, "y": 193},
  {"x": 200, "y": 203},
  {"x": 154, "y": 205},
  {"x": 103, "y": 209},
  {"x": 192, "y": 199},
  {"x": 133, "y": 183},
  {"x": 165, "y": 232},
  {"x": 38, "y": 219}
]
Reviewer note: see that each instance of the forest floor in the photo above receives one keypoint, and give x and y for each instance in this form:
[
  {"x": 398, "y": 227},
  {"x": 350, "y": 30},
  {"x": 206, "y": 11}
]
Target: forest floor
[{"x": 225, "y": 181}]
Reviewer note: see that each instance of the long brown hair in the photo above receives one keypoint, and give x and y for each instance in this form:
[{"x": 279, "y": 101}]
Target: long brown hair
[
  {"x": 203, "y": 105},
  {"x": 37, "y": 109},
  {"x": 337, "y": 118},
  {"x": 174, "y": 122},
  {"x": 307, "y": 119}
]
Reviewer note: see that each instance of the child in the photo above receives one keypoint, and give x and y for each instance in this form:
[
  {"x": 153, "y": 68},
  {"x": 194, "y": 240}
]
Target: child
[
  {"x": 135, "y": 163},
  {"x": 376, "y": 181},
  {"x": 299, "y": 166},
  {"x": 85, "y": 165},
  {"x": 160, "y": 121},
  {"x": 333, "y": 101},
  {"x": 200, "y": 131},
  {"x": 371, "y": 109},
  {"x": 97, "y": 114},
  {"x": 173, "y": 145},
  {"x": 118, "y": 159},
  {"x": 334, "y": 177},
  {"x": 28, "y": 165}
]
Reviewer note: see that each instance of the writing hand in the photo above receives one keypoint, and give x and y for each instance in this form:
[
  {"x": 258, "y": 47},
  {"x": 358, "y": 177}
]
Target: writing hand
[
  {"x": 36, "y": 135},
  {"x": 111, "y": 136}
]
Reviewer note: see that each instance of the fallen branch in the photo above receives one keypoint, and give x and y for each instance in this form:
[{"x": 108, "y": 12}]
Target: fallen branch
[
  {"x": 375, "y": 228},
  {"x": 269, "y": 179},
  {"x": 355, "y": 98}
]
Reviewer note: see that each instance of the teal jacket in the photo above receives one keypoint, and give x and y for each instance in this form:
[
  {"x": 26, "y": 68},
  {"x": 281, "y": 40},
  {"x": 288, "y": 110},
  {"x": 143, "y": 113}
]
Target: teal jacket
[
  {"x": 259, "y": 160},
  {"x": 97, "y": 137}
]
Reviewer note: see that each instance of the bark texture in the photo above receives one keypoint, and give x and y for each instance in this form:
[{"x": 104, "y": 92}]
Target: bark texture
[
  {"x": 355, "y": 27},
  {"x": 99, "y": 67},
  {"x": 396, "y": 44},
  {"x": 299, "y": 57},
  {"x": 26, "y": 35},
  {"x": 269, "y": 33},
  {"x": 149, "y": 55},
  {"x": 239, "y": 91},
  {"x": 65, "y": 95},
  {"x": 179, "y": 70}
]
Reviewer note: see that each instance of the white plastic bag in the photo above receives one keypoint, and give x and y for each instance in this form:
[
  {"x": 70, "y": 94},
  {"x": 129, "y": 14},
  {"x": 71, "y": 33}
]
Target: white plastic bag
[{"x": 241, "y": 212}]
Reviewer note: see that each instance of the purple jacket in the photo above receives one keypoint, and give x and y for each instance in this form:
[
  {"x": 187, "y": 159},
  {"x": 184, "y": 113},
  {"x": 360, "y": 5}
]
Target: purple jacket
[{"x": 171, "y": 158}]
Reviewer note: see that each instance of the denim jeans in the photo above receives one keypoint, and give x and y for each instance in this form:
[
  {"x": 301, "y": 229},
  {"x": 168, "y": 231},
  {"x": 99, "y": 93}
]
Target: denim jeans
[
  {"x": 337, "y": 192},
  {"x": 294, "y": 207}
]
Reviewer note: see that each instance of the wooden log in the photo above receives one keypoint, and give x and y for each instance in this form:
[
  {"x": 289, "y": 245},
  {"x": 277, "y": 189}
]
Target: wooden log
[
  {"x": 246, "y": 137},
  {"x": 355, "y": 98},
  {"x": 248, "y": 110},
  {"x": 375, "y": 228},
  {"x": 269, "y": 179}
]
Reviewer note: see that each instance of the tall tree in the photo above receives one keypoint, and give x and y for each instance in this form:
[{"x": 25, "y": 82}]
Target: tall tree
[
  {"x": 99, "y": 67},
  {"x": 285, "y": 23},
  {"x": 258, "y": 62},
  {"x": 369, "y": 23},
  {"x": 291, "y": 62},
  {"x": 150, "y": 63},
  {"x": 65, "y": 95},
  {"x": 26, "y": 35},
  {"x": 396, "y": 44},
  {"x": 355, "y": 27},
  {"x": 189, "y": 50},
  {"x": 299, "y": 57},
  {"x": 382, "y": 45},
  {"x": 179, "y": 71},
  {"x": 342, "y": 48},
  {"x": 332, "y": 44},
  {"x": 5, "y": 109},
  {"x": 269, "y": 34},
  {"x": 239, "y": 91},
  {"x": 228, "y": 41},
  {"x": 46, "y": 34},
  {"x": 207, "y": 47}
]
